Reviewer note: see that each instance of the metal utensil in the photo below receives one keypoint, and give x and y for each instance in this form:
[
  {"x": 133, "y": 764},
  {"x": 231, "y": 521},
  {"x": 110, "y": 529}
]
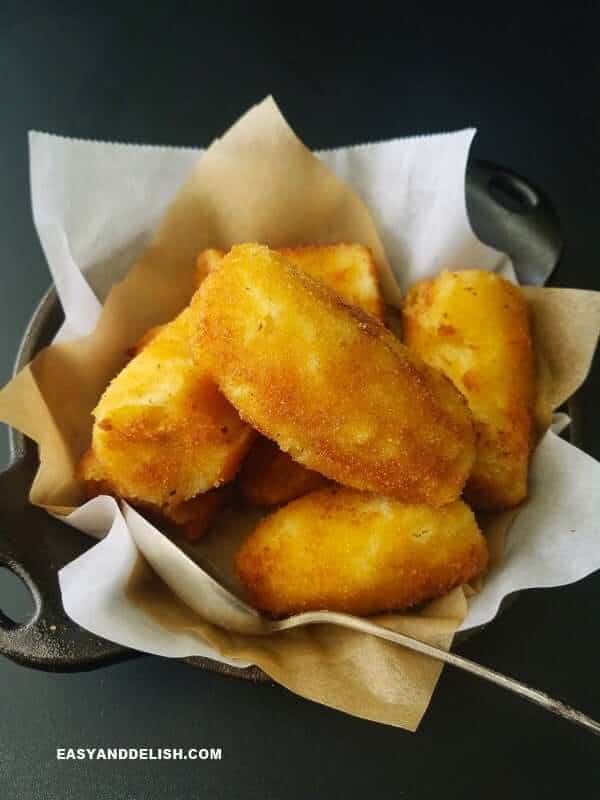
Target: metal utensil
[
  {"x": 366, "y": 626},
  {"x": 224, "y": 608},
  {"x": 505, "y": 211},
  {"x": 214, "y": 602}
]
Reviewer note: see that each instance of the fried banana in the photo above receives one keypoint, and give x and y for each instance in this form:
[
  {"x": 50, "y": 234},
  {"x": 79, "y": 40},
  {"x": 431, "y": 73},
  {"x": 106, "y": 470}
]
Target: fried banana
[
  {"x": 329, "y": 383},
  {"x": 474, "y": 326},
  {"x": 269, "y": 476},
  {"x": 343, "y": 550},
  {"x": 163, "y": 432},
  {"x": 193, "y": 517},
  {"x": 348, "y": 269}
]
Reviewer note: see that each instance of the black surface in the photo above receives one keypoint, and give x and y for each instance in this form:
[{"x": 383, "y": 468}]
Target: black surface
[
  {"x": 530, "y": 83},
  {"x": 505, "y": 211}
]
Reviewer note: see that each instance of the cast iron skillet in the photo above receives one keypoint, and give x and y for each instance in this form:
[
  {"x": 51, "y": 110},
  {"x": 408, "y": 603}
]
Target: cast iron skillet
[{"x": 505, "y": 211}]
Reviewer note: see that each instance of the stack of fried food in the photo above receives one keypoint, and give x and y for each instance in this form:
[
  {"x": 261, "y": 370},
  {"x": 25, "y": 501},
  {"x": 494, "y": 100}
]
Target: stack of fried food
[{"x": 280, "y": 384}]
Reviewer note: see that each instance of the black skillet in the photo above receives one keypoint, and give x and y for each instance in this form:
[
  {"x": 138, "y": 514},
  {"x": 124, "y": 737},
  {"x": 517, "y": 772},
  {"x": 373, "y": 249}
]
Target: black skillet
[{"x": 506, "y": 212}]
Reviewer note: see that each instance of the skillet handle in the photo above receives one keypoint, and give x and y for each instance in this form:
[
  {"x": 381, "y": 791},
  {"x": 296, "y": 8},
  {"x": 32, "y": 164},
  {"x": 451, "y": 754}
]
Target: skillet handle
[
  {"x": 510, "y": 214},
  {"x": 34, "y": 546}
]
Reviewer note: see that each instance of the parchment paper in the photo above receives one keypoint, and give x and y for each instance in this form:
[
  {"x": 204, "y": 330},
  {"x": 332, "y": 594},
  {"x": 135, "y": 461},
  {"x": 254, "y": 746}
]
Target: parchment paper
[{"x": 96, "y": 207}]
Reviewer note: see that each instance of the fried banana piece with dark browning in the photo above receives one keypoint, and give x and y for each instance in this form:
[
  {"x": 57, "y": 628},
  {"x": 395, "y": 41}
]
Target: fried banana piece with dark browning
[
  {"x": 329, "y": 383},
  {"x": 163, "y": 432},
  {"x": 474, "y": 326},
  {"x": 343, "y": 550},
  {"x": 269, "y": 476}
]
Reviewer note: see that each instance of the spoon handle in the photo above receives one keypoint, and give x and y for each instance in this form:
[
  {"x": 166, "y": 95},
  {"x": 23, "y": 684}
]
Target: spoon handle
[{"x": 533, "y": 695}]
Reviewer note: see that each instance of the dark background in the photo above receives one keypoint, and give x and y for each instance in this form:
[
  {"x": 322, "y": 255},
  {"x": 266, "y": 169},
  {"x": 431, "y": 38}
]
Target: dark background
[{"x": 529, "y": 82}]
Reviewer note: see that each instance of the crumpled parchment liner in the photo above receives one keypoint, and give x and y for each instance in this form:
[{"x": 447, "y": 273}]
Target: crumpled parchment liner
[{"x": 258, "y": 182}]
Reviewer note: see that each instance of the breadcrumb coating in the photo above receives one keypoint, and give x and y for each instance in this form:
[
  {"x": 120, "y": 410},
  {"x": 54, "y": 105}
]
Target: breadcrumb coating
[
  {"x": 474, "y": 326},
  {"x": 343, "y": 550},
  {"x": 329, "y": 383}
]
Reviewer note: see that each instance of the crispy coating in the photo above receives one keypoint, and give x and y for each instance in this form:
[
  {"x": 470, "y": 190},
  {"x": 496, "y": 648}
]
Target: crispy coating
[
  {"x": 348, "y": 269},
  {"x": 269, "y": 476},
  {"x": 474, "y": 326},
  {"x": 329, "y": 383},
  {"x": 163, "y": 432},
  {"x": 193, "y": 517},
  {"x": 94, "y": 480},
  {"x": 343, "y": 550}
]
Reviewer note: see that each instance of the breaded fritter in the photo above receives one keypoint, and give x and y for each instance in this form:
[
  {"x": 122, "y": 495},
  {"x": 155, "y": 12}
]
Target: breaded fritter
[
  {"x": 474, "y": 326},
  {"x": 93, "y": 477},
  {"x": 193, "y": 517},
  {"x": 348, "y": 269},
  {"x": 329, "y": 383},
  {"x": 343, "y": 550},
  {"x": 269, "y": 476},
  {"x": 163, "y": 432}
]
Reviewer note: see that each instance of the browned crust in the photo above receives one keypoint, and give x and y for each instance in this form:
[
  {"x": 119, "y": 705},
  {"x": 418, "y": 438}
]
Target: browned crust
[
  {"x": 346, "y": 551},
  {"x": 309, "y": 256},
  {"x": 475, "y": 326},
  {"x": 163, "y": 432},
  {"x": 423, "y": 446},
  {"x": 193, "y": 517},
  {"x": 269, "y": 476}
]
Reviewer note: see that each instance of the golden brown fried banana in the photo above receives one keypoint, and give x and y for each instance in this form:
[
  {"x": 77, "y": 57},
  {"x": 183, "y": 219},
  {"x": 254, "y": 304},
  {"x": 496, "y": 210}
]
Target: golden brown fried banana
[
  {"x": 163, "y": 432},
  {"x": 193, "y": 516},
  {"x": 343, "y": 550},
  {"x": 329, "y": 383},
  {"x": 474, "y": 326},
  {"x": 269, "y": 476},
  {"x": 348, "y": 269},
  {"x": 93, "y": 477}
]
